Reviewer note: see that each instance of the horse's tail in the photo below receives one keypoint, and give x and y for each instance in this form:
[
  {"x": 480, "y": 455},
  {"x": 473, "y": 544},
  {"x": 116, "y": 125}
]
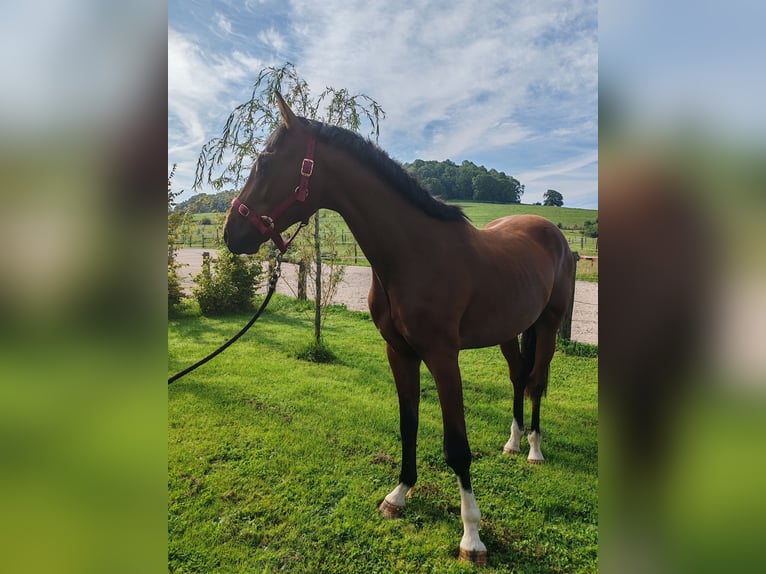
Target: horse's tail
[{"x": 539, "y": 385}]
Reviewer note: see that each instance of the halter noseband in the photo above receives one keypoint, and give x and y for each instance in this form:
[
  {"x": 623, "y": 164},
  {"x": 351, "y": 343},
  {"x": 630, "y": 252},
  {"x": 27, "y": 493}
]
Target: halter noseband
[{"x": 266, "y": 223}]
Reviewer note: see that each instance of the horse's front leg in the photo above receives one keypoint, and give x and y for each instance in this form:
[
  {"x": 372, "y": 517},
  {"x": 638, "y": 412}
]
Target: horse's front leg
[
  {"x": 444, "y": 367},
  {"x": 406, "y": 369}
]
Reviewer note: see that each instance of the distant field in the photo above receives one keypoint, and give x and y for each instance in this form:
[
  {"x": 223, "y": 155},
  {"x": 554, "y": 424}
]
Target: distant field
[
  {"x": 571, "y": 219},
  {"x": 483, "y": 213}
]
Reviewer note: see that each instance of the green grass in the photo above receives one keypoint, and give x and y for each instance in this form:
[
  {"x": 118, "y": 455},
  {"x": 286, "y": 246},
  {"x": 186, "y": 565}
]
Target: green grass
[
  {"x": 483, "y": 213},
  {"x": 197, "y": 234},
  {"x": 279, "y": 464}
]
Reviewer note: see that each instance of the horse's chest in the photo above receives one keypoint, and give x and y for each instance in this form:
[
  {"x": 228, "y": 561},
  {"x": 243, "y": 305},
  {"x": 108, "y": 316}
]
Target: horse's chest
[
  {"x": 395, "y": 327},
  {"x": 380, "y": 311}
]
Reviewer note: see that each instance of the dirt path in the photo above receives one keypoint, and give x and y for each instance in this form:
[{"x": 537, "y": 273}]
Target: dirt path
[{"x": 356, "y": 283}]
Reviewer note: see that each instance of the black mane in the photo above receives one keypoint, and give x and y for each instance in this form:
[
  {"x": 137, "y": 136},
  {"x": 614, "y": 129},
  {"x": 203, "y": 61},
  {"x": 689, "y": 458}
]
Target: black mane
[{"x": 388, "y": 169}]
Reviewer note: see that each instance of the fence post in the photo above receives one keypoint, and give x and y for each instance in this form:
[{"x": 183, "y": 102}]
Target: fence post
[
  {"x": 566, "y": 324},
  {"x": 302, "y": 280},
  {"x": 355, "y": 254}
]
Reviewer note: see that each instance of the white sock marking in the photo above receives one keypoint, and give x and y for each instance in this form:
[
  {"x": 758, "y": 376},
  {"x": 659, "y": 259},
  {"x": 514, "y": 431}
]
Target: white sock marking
[
  {"x": 535, "y": 454},
  {"x": 514, "y": 442},
  {"x": 398, "y": 496},
  {"x": 469, "y": 512}
]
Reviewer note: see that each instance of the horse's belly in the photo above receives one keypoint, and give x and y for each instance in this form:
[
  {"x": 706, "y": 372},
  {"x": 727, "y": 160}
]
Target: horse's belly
[
  {"x": 488, "y": 324},
  {"x": 488, "y": 337}
]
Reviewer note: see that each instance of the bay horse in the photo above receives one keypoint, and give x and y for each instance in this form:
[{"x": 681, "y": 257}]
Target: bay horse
[{"x": 439, "y": 284}]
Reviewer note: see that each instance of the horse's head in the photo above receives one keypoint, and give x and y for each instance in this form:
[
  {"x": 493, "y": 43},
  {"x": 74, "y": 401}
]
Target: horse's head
[{"x": 276, "y": 194}]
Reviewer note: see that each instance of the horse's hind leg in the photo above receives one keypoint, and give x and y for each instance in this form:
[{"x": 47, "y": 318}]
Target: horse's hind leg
[
  {"x": 406, "y": 369},
  {"x": 545, "y": 346},
  {"x": 519, "y": 373}
]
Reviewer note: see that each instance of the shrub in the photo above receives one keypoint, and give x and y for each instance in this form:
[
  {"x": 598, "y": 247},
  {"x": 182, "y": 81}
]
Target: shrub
[
  {"x": 175, "y": 294},
  {"x": 227, "y": 284}
]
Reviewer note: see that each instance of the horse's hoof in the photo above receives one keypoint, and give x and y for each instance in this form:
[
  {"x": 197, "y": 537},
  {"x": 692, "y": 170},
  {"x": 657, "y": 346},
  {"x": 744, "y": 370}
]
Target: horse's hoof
[
  {"x": 511, "y": 451},
  {"x": 389, "y": 510},
  {"x": 478, "y": 557},
  {"x": 536, "y": 460}
]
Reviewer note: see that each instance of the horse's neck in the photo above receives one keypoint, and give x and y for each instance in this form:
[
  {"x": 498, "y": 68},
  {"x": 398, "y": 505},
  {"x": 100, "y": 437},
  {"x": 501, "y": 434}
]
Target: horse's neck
[{"x": 390, "y": 230}]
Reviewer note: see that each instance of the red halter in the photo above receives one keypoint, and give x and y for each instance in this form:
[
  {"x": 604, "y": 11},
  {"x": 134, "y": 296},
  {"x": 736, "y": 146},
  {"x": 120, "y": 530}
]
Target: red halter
[{"x": 265, "y": 223}]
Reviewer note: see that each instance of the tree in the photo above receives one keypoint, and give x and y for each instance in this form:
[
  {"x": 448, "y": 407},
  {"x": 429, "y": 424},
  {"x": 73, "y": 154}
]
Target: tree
[
  {"x": 435, "y": 185},
  {"x": 251, "y": 122},
  {"x": 464, "y": 183},
  {"x": 206, "y": 202},
  {"x": 487, "y": 188},
  {"x": 553, "y": 197},
  {"x": 450, "y": 181}
]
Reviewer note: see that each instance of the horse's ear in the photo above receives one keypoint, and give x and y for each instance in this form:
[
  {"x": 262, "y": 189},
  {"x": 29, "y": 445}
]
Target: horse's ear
[{"x": 288, "y": 117}]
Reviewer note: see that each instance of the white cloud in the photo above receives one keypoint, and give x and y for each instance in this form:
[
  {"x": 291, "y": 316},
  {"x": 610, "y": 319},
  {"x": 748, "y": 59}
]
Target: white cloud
[
  {"x": 199, "y": 95},
  {"x": 273, "y": 39},
  {"x": 472, "y": 72},
  {"x": 223, "y": 22},
  {"x": 190, "y": 90},
  {"x": 560, "y": 168},
  {"x": 576, "y": 178}
]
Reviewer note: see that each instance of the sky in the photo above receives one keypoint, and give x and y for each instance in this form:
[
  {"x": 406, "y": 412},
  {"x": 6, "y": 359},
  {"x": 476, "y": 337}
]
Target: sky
[{"x": 508, "y": 85}]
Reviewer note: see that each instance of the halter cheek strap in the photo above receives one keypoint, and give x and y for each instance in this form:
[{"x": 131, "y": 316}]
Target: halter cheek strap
[{"x": 265, "y": 224}]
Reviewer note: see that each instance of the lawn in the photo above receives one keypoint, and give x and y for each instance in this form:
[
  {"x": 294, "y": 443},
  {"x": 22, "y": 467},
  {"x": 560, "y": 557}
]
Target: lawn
[{"x": 277, "y": 464}]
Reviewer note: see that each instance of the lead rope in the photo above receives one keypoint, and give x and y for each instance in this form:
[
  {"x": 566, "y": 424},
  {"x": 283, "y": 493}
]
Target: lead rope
[{"x": 272, "y": 287}]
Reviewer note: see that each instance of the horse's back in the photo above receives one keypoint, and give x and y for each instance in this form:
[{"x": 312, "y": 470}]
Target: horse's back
[
  {"x": 532, "y": 230},
  {"x": 524, "y": 224}
]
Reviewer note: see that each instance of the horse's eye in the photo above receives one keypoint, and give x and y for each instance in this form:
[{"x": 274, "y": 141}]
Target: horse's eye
[{"x": 261, "y": 163}]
